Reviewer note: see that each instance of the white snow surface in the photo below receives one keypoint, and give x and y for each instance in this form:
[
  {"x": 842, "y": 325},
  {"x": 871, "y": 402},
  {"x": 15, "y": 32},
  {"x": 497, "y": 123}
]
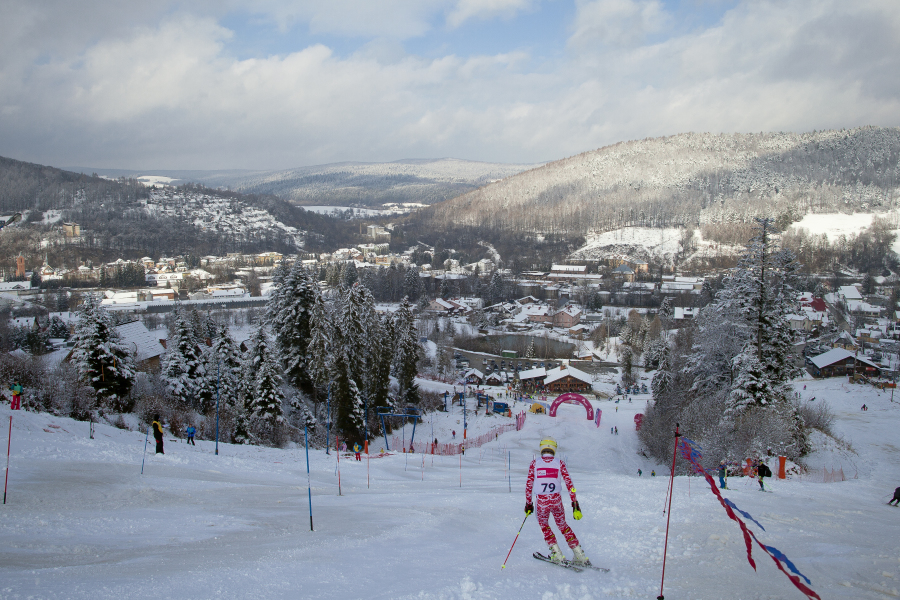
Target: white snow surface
[
  {"x": 82, "y": 522},
  {"x": 835, "y": 224}
]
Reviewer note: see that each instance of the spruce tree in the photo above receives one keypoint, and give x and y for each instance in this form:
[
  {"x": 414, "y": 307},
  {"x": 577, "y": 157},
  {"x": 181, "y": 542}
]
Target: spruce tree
[
  {"x": 265, "y": 407},
  {"x": 102, "y": 360},
  {"x": 412, "y": 284},
  {"x": 181, "y": 365},
  {"x": 347, "y": 399},
  {"x": 407, "y": 353},
  {"x": 321, "y": 343},
  {"x": 289, "y": 312}
]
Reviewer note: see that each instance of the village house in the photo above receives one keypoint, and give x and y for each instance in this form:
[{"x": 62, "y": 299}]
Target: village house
[
  {"x": 623, "y": 273},
  {"x": 568, "y": 317},
  {"x": 838, "y": 362},
  {"x": 565, "y": 379},
  {"x": 146, "y": 346},
  {"x": 474, "y": 377},
  {"x": 533, "y": 379},
  {"x": 448, "y": 307}
]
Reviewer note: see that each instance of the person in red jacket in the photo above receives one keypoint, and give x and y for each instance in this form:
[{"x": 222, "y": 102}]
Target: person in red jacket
[{"x": 546, "y": 476}]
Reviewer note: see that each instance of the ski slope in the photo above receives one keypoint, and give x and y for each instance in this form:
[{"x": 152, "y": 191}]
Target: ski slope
[{"x": 82, "y": 522}]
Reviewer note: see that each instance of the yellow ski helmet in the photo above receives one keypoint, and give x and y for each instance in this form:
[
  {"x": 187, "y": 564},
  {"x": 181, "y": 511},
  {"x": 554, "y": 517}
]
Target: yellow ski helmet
[{"x": 548, "y": 445}]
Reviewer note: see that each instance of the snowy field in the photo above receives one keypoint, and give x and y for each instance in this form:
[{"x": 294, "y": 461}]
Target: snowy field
[
  {"x": 82, "y": 522},
  {"x": 835, "y": 225}
]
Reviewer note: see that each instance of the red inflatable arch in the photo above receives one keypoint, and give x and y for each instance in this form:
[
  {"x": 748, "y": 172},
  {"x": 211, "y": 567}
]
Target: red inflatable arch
[{"x": 573, "y": 399}]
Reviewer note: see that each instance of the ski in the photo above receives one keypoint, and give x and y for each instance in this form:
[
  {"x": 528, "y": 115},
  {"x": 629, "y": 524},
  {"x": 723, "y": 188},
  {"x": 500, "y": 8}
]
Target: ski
[
  {"x": 565, "y": 563},
  {"x": 570, "y": 564}
]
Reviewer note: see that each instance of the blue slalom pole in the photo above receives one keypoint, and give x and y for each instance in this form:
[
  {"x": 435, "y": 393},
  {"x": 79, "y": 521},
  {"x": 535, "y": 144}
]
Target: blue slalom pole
[
  {"x": 308, "y": 483},
  {"x": 143, "y": 458}
]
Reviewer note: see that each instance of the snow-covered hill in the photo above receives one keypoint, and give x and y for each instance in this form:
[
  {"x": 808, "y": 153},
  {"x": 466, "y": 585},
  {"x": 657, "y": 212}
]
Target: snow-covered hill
[
  {"x": 232, "y": 217},
  {"x": 690, "y": 178},
  {"x": 416, "y": 181},
  {"x": 82, "y": 522},
  {"x": 662, "y": 246}
]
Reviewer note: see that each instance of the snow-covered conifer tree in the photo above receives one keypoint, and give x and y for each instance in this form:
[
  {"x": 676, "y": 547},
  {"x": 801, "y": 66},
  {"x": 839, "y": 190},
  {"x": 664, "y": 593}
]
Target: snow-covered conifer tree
[
  {"x": 412, "y": 284},
  {"x": 321, "y": 343},
  {"x": 181, "y": 365},
  {"x": 98, "y": 354},
  {"x": 222, "y": 374},
  {"x": 289, "y": 313},
  {"x": 407, "y": 353},
  {"x": 265, "y": 407},
  {"x": 529, "y": 351},
  {"x": 347, "y": 399}
]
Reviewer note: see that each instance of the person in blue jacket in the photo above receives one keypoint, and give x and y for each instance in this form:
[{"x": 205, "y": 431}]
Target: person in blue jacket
[{"x": 191, "y": 430}]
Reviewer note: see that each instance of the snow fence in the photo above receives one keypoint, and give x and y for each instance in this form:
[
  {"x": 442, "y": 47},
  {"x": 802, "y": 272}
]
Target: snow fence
[{"x": 452, "y": 449}]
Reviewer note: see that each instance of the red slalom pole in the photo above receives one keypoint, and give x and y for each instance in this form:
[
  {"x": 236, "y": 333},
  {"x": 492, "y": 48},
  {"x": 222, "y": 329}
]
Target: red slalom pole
[
  {"x": 8, "y": 444},
  {"x": 669, "y": 516}
]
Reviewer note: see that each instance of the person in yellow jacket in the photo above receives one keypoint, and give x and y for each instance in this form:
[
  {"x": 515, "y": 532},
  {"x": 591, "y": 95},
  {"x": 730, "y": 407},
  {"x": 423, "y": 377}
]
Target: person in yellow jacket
[{"x": 158, "y": 435}]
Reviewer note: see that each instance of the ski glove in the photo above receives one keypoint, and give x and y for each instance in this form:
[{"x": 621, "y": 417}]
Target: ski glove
[
  {"x": 576, "y": 510},
  {"x": 529, "y": 508}
]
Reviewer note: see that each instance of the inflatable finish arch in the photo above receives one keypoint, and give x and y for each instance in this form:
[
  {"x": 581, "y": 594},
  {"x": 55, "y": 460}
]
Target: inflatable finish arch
[{"x": 573, "y": 399}]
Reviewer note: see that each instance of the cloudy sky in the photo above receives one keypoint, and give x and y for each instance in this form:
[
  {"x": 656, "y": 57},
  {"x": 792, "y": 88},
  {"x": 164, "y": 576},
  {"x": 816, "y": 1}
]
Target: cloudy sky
[{"x": 208, "y": 84}]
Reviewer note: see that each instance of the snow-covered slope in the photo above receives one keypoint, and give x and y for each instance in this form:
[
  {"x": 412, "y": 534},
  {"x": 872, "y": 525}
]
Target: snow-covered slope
[
  {"x": 690, "y": 177},
  {"x": 418, "y": 181},
  {"x": 229, "y": 216},
  {"x": 82, "y": 522}
]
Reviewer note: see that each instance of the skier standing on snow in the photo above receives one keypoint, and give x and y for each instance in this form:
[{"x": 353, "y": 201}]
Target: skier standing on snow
[
  {"x": 16, "y": 389},
  {"x": 357, "y": 448},
  {"x": 158, "y": 435},
  {"x": 762, "y": 471},
  {"x": 723, "y": 473},
  {"x": 896, "y": 498},
  {"x": 191, "y": 431},
  {"x": 546, "y": 476}
]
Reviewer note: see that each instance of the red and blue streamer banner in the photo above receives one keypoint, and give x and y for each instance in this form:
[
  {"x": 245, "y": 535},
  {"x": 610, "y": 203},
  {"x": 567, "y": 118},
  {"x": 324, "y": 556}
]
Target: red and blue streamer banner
[{"x": 693, "y": 454}]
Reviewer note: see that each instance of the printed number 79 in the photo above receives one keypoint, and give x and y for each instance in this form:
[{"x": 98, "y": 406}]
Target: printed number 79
[{"x": 549, "y": 487}]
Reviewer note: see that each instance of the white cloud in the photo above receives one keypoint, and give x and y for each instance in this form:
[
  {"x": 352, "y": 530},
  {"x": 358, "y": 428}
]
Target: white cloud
[
  {"x": 171, "y": 95},
  {"x": 485, "y": 9},
  {"x": 616, "y": 22}
]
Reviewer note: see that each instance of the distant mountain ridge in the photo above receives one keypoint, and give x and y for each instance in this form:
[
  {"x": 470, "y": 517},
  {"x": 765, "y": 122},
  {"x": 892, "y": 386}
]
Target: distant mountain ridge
[
  {"x": 423, "y": 181},
  {"x": 687, "y": 179},
  {"x": 123, "y": 218}
]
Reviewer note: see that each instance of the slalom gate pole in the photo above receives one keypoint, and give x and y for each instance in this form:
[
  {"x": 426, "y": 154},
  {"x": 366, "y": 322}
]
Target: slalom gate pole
[
  {"x": 515, "y": 540},
  {"x": 460, "y": 470},
  {"x": 8, "y": 446},
  {"x": 144, "y": 457},
  {"x": 367, "y": 465},
  {"x": 337, "y": 445},
  {"x": 669, "y": 517},
  {"x": 308, "y": 482}
]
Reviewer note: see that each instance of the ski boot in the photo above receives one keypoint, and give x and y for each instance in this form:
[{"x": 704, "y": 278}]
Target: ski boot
[
  {"x": 580, "y": 558},
  {"x": 556, "y": 554}
]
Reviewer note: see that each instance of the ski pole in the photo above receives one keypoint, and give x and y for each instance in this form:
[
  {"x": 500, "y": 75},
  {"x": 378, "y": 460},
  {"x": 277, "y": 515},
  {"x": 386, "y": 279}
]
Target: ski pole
[
  {"x": 144, "y": 457},
  {"x": 669, "y": 517},
  {"x": 8, "y": 447},
  {"x": 515, "y": 540},
  {"x": 308, "y": 483}
]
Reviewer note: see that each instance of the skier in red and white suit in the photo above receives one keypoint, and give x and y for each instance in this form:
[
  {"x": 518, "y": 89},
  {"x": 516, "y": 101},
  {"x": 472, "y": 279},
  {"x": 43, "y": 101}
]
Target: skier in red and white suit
[{"x": 546, "y": 476}]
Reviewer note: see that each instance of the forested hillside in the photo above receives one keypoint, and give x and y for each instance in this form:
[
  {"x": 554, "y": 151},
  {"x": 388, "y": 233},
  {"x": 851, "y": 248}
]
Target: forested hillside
[
  {"x": 688, "y": 179},
  {"x": 124, "y": 219},
  {"x": 371, "y": 184}
]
